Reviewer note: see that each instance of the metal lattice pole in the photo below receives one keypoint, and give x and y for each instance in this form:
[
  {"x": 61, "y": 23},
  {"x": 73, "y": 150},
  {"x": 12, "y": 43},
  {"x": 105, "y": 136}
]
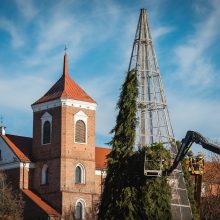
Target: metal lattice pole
[{"x": 154, "y": 124}]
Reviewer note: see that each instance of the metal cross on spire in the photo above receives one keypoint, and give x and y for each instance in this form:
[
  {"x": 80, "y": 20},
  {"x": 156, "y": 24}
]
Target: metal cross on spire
[
  {"x": 154, "y": 125},
  {"x": 65, "y": 49}
]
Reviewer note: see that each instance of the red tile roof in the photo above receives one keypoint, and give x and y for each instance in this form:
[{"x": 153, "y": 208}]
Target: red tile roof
[
  {"x": 100, "y": 157},
  {"x": 65, "y": 87},
  {"x": 21, "y": 146},
  {"x": 39, "y": 202}
]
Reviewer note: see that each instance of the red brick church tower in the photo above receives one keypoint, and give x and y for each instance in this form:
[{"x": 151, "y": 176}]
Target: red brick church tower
[
  {"x": 63, "y": 147},
  {"x": 60, "y": 168}
]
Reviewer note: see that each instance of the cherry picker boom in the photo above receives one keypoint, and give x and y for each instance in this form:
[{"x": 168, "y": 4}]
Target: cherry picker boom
[{"x": 190, "y": 138}]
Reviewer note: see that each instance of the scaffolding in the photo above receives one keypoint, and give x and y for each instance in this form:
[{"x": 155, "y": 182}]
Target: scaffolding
[{"x": 154, "y": 124}]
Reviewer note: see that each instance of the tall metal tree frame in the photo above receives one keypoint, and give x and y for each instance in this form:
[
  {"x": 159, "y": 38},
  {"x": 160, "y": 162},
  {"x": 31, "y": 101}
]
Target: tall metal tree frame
[{"x": 154, "y": 124}]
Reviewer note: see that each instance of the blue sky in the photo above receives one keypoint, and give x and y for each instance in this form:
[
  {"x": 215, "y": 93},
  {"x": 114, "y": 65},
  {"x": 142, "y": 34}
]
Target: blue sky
[{"x": 99, "y": 36}]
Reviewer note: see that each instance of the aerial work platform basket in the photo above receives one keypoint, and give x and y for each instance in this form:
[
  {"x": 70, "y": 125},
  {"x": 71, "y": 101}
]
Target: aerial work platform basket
[
  {"x": 153, "y": 168},
  {"x": 196, "y": 164}
]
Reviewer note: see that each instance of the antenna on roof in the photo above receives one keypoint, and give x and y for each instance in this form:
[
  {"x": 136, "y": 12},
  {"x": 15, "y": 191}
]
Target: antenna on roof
[
  {"x": 1, "y": 120},
  {"x": 2, "y": 127}
]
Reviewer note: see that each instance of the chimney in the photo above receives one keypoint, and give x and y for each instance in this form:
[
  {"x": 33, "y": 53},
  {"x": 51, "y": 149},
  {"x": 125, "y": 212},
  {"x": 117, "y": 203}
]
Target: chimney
[
  {"x": 2, "y": 127},
  {"x": 2, "y": 130}
]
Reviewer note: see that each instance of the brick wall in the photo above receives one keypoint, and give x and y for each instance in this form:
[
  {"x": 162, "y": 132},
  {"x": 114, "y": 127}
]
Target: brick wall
[
  {"x": 47, "y": 154},
  {"x": 98, "y": 183},
  {"x": 75, "y": 153},
  {"x": 62, "y": 157},
  {"x": 47, "y": 151},
  {"x": 70, "y": 199}
]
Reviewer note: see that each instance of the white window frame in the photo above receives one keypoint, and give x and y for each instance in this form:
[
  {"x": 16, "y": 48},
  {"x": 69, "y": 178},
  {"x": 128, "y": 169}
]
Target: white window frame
[
  {"x": 83, "y": 117},
  {"x": 44, "y": 173},
  {"x": 82, "y": 201},
  {"x": 46, "y": 117},
  {"x": 83, "y": 173}
]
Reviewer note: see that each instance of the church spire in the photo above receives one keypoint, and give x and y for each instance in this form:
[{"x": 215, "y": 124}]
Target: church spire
[
  {"x": 65, "y": 65},
  {"x": 65, "y": 87}
]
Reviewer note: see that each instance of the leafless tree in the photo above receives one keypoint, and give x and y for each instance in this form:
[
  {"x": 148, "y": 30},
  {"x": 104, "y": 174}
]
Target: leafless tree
[
  {"x": 210, "y": 202},
  {"x": 11, "y": 202}
]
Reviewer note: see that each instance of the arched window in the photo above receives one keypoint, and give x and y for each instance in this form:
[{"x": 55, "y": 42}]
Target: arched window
[
  {"x": 80, "y": 132},
  {"x": 80, "y": 174},
  {"x": 79, "y": 210},
  {"x": 46, "y": 128},
  {"x": 44, "y": 175},
  {"x": 46, "y": 132},
  {"x": 80, "y": 207}
]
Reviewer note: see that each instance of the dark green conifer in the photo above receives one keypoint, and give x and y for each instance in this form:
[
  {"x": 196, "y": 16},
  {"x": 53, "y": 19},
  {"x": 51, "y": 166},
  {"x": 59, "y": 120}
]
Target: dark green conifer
[
  {"x": 118, "y": 197},
  {"x": 153, "y": 194},
  {"x": 128, "y": 194}
]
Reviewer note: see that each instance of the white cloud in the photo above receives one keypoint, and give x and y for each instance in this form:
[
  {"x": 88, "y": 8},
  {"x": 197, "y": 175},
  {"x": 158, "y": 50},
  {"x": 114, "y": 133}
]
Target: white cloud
[
  {"x": 192, "y": 57},
  {"x": 59, "y": 27},
  {"x": 192, "y": 113},
  {"x": 197, "y": 71},
  {"x": 14, "y": 32},
  {"x": 27, "y": 8},
  {"x": 81, "y": 33},
  {"x": 161, "y": 31},
  {"x": 83, "y": 30},
  {"x": 105, "y": 90},
  {"x": 19, "y": 93},
  {"x": 66, "y": 25}
]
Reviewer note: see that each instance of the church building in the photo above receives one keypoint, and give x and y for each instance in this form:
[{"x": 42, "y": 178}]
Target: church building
[{"x": 61, "y": 167}]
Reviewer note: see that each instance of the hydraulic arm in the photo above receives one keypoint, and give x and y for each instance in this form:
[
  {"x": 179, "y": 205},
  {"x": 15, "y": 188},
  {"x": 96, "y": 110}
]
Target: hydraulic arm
[{"x": 190, "y": 138}]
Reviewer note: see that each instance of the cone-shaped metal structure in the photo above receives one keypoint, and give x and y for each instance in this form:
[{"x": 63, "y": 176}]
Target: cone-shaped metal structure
[{"x": 153, "y": 117}]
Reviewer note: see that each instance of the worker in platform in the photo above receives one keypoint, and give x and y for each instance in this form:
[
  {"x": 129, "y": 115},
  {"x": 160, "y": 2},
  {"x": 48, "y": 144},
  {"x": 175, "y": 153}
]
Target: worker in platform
[
  {"x": 201, "y": 163},
  {"x": 191, "y": 162}
]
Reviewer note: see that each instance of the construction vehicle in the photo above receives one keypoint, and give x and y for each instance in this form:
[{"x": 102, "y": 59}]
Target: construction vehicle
[
  {"x": 196, "y": 164},
  {"x": 190, "y": 138}
]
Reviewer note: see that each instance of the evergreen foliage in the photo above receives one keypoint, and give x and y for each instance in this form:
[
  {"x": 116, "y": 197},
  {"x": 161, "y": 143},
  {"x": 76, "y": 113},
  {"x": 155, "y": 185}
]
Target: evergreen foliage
[
  {"x": 117, "y": 200},
  {"x": 127, "y": 194},
  {"x": 154, "y": 193},
  {"x": 157, "y": 154}
]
